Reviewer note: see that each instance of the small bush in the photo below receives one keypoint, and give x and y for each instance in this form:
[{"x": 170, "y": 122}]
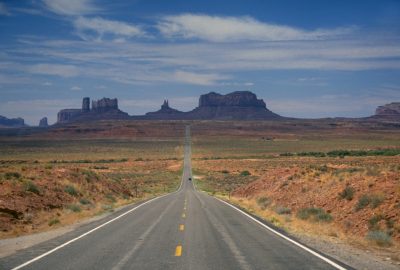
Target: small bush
[
  {"x": 283, "y": 210},
  {"x": 225, "y": 171},
  {"x": 31, "y": 187},
  {"x": 53, "y": 221},
  {"x": 263, "y": 202},
  {"x": 363, "y": 201},
  {"x": 380, "y": 238},
  {"x": 373, "y": 222},
  {"x": 373, "y": 200},
  {"x": 84, "y": 201},
  {"x": 74, "y": 208},
  {"x": 315, "y": 214},
  {"x": 245, "y": 173},
  {"x": 347, "y": 193},
  {"x": 12, "y": 175},
  {"x": 376, "y": 200},
  {"x": 111, "y": 197},
  {"x": 71, "y": 190}
]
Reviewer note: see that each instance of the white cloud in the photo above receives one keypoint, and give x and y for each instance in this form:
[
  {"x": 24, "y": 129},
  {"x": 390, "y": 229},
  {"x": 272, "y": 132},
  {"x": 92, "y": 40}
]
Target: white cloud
[
  {"x": 54, "y": 69},
  {"x": 4, "y": 10},
  {"x": 71, "y": 7},
  {"x": 221, "y": 29},
  {"x": 47, "y": 84},
  {"x": 75, "y": 88},
  {"x": 86, "y": 26},
  {"x": 199, "y": 79}
]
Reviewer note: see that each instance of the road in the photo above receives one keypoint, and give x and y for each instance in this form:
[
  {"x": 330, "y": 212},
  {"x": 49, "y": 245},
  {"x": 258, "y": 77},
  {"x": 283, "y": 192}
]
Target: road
[{"x": 186, "y": 229}]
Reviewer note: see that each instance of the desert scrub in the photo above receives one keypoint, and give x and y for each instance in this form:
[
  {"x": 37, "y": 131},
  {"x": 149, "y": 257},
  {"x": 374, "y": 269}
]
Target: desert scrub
[
  {"x": 71, "y": 190},
  {"x": 31, "y": 187},
  {"x": 12, "y": 175},
  {"x": 74, "y": 208},
  {"x": 281, "y": 210},
  {"x": 84, "y": 201},
  {"x": 263, "y": 202},
  {"x": 53, "y": 221},
  {"x": 381, "y": 238},
  {"x": 314, "y": 214},
  {"x": 90, "y": 175},
  {"x": 245, "y": 173},
  {"x": 373, "y": 200},
  {"x": 110, "y": 197},
  {"x": 347, "y": 193}
]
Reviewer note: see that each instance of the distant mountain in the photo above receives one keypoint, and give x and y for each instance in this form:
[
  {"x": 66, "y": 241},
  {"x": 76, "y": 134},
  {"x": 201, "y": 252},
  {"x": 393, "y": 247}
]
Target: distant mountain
[
  {"x": 240, "y": 105},
  {"x": 14, "y": 122},
  {"x": 102, "y": 109},
  {"x": 389, "y": 111}
]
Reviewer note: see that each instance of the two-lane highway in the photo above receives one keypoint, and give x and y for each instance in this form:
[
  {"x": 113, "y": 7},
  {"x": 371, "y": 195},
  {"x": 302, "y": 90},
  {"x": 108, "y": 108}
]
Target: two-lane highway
[{"x": 186, "y": 229}]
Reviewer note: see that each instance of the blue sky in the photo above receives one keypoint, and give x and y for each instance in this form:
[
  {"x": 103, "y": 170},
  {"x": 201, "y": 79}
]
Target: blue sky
[{"x": 304, "y": 58}]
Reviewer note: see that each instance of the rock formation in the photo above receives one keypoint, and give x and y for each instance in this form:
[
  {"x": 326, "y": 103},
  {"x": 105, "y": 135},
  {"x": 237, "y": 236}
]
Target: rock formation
[
  {"x": 104, "y": 105},
  {"x": 43, "y": 122},
  {"x": 240, "y": 105},
  {"x": 166, "y": 112},
  {"x": 11, "y": 122},
  {"x": 391, "y": 109},
  {"x": 104, "y": 108}
]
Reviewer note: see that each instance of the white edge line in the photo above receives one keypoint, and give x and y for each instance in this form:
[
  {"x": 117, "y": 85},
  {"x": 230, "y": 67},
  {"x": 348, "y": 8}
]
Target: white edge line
[
  {"x": 337, "y": 266},
  {"x": 86, "y": 233}
]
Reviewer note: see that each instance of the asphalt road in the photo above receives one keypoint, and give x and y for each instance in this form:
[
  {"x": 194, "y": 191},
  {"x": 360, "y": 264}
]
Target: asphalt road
[{"x": 186, "y": 229}]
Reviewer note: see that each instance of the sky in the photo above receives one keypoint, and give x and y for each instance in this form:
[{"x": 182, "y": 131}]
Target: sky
[{"x": 312, "y": 58}]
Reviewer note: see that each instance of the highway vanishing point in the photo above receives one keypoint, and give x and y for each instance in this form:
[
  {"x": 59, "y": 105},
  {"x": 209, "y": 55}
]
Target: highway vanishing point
[{"x": 186, "y": 229}]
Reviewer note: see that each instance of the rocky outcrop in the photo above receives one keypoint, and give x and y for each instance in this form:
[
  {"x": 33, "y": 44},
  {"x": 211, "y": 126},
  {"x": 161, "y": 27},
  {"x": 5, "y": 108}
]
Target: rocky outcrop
[
  {"x": 166, "y": 112},
  {"x": 43, "y": 122},
  {"x": 11, "y": 122},
  {"x": 67, "y": 115},
  {"x": 104, "y": 105},
  {"x": 391, "y": 109},
  {"x": 240, "y": 105},
  {"x": 104, "y": 108}
]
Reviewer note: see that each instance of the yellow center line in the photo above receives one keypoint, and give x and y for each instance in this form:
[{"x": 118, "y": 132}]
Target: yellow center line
[
  {"x": 183, "y": 215},
  {"x": 178, "y": 251},
  {"x": 181, "y": 227}
]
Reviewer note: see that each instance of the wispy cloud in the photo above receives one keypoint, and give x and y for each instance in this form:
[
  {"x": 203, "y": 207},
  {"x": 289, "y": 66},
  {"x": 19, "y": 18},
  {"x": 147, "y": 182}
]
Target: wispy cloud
[
  {"x": 222, "y": 29},
  {"x": 4, "y": 10},
  {"x": 76, "y": 88},
  {"x": 198, "y": 79},
  {"x": 87, "y": 26},
  {"x": 71, "y": 7},
  {"x": 54, "y": 69}
]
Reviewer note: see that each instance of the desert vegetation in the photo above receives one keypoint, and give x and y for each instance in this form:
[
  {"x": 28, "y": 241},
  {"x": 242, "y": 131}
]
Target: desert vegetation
[
  {"x": 51, "y": 183},
  {"x": 316, "y": 188}
]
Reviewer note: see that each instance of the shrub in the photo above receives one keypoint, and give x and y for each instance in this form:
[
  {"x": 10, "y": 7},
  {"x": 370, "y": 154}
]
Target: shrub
[
  {"x": 315, "y": 214},
  {"x": 282, "y": 210},
  {"x": 376, "y": 200},
  {"x": 263, "y": 202},
  {"x": 363, "y": 201},
  {"x": 373, "y": 200},
  {"x": 71, "y": 190},
  {"x": 373, "y": 222},
  {"x": 12, "y": 175},
  {"x": 74, "y": 208},
  {"x": 84, "y": 201},
  {"x": 245, "y": 173},
  {"x": 380, "y": 238},
  {"x": 347, "y": 193},
  {"x": 110, "y": 197},
  {"x": 31, "y": 187},
  {"x": 53, "y": 221},
  {"x": 225, "y": 171}
]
